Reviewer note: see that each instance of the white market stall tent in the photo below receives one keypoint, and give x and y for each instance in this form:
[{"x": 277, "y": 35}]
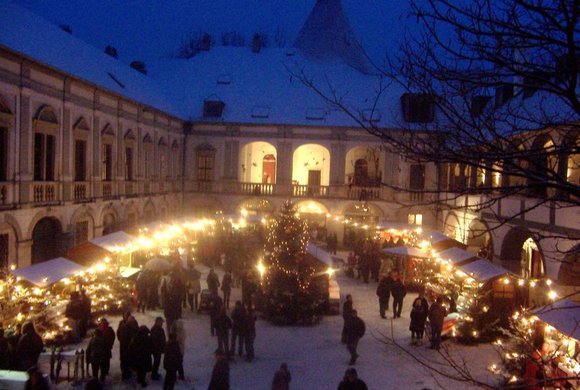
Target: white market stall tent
[
  {"x": 49, "y": 272},
  {"x": 483, "y": 270},
  {"x": 457, "y": 256},
  {"x": 406, "y": 251},
  {"x": 117, "y": 246},
  {"x": 564, "y": 315}
]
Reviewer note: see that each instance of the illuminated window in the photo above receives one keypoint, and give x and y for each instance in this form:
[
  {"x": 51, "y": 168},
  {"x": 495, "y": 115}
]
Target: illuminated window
[{"x": 415, "y": 219}]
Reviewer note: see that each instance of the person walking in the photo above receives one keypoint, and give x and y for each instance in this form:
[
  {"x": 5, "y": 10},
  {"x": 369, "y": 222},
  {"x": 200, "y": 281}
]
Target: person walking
[
  {"x": 97, "y": 355},
  {"x": 140, "y": 351},
  {"x": 238, "y": 318},
  {"x": 213, "y": 282},
  {"x": 158, "y": 341},
  {"x": 215, "y": 304},
  {"x": 351, "y": 381},
  {"x": 282, "y": 378},
  {"x": 220, "y": 375},
  {"x": 250, "y": 333},
  {"x": 109, "y": 338},
  {"x": 355, "y": 330},
  {"x": 223, "y": 324},
  {"x": 418, "y": 319},
  {"x": 180, "y": 334},
  {"x": 437, "y": 315},
  {"x": 28, "y": 348},
  {"x": 226, "y": 287},
  {"x": 384, "y": 294},
  {"x": 193, "y": 291},
  {"x": 346, "y": 312},
  {"x": 398, "y": 290},
  {"x": 126, "y": 330},
  {"x": 172, "y": 361}
]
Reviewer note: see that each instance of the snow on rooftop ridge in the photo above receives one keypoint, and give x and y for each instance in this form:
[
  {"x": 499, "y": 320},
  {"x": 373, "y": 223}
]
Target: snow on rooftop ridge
[
  {"x": 327, "y": 36},
  {"x": 35, "y": 37}
]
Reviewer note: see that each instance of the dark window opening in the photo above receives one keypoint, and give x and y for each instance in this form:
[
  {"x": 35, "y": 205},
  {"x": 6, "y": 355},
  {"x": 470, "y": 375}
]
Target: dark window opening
[
  {"x": 417, "y": 177},
  {"x": 80, "y": 160},
  {"x": 3, "y": 153},
  {"x": 129, "y": 163},
  {"x": 213, "y": 108},
  {"x": 107, "y": 173},
  {"x": 4, "y": 242},
  {"x": 478, "y": 105},
  {"x": 44, "y": 149},
  {"x": 503, "y": 94},
  {"x": 205, "y": 163},
  {"x": 418, "y": 108}
]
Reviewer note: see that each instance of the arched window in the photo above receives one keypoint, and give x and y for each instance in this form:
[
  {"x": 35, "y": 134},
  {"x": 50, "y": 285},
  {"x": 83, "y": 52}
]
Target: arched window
[
  {"x": 129, "y": 155},
  {"x": 6, "y": 122},
  {"x": 107, "y": 143},
  {"x": 81, "y": 133},
  {"x": 205, "y": 161},
  {"x": 162, "y": 147},
  {"x": 148, "y": 157},
  {"x": 45, "y": 137}
]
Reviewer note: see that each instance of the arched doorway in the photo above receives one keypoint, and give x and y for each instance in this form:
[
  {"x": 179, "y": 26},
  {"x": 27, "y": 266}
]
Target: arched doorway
[
  {"x": 311, "y": 166},
  {"x": 47, "y": 240},
  {"x": 479, "y": 240},
  {"x": 269, "y": 169},
  {"x": 521, "y": 254},
  {"x": 258, "y": 163},
  {"x": 315, "y": 215},
  {"x": 109, "y": 224},
  {"x": 356, "y": 216},
  {"x": 361, "y": 172}
]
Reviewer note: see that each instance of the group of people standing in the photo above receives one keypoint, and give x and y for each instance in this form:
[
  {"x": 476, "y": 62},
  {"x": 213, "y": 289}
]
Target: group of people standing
[
  {"x": 365, "y": 261},
  {"x": 20, "y": 350}
]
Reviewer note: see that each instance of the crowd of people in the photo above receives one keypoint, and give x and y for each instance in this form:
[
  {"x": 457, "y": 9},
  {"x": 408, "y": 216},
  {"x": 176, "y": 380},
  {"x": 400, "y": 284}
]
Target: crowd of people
[{"x": 20, "y": 350}]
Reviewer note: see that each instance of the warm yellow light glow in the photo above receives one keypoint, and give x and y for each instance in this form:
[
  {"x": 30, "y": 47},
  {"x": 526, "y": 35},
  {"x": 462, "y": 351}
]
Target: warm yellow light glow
[
  {"x": 330, "y": 271},
  {"x": 548, "y": 282},
  {"x": 553, "y": 295},
  {"x": 506, "y": 281},
  {"x": 261, "y": 268},
  {"x": 521, "y": 282},
  {"x": 244, "y": 212}
]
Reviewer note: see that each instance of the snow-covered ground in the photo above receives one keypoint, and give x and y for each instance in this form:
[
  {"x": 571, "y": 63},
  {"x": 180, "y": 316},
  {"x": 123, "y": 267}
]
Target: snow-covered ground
[{"x": 315, "y": 355}]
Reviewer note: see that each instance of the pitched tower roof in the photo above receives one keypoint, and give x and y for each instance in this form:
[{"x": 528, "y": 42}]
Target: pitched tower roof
[{"x": 327, "y": 36}]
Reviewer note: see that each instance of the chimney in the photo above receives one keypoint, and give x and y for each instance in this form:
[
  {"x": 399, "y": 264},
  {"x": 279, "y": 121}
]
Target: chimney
[
  {"x": 139, "y": 66},
  {"x": 110, "y": 50},
  {"x": 256, "y": 43},
  {"x": 205, "y": 42},
  {"x": 66, "y": 28}
]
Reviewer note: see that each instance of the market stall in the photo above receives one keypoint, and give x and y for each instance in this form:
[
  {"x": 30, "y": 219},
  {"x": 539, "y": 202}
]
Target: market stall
[
  {"x": 440, "y": 241},
  {"x": 407, "y": 259},
  {"x": 118, "y": 246},
  {"x": 457, "y": 256},
  {"x": 49, "y": 272},
  {"x": 559, "y": 324}
]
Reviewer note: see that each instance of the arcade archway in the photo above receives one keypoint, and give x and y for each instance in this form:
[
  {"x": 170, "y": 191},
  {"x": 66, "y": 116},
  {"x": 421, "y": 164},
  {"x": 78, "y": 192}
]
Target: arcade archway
[{"x": 47, "y": 240}]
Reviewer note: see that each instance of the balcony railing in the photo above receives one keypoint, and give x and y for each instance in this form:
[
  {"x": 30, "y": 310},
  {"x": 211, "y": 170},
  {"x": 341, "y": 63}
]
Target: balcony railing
[
  {"x": 307, "y": 191},
  {"x": 256, "y": 188},
  {"x": 81, "y": 191},
  {"x": 5, "y": 194},
  {"x": 44, "y": 192},
  {"x": 108, "y": 189}
]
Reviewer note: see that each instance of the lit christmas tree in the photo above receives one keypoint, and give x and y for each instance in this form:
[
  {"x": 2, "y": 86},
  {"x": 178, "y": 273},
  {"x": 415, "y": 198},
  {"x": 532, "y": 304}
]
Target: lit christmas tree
[{"x": 292, "y": 288}]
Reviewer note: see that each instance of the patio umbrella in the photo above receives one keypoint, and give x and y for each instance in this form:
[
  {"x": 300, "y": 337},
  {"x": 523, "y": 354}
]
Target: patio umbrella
[
  {"x": 406, "y": 251},
  {"x": 158, "y": 264}
]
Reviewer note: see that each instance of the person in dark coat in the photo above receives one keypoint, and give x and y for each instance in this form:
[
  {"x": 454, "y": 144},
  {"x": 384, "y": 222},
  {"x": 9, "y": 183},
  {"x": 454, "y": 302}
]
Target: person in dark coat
[
  {"x": 346, "y": 312},
  {"x": 4, "y": 351},
  {"x": 227, "y": 288},
  {"x": 140, "y": 351},
  {"x": 98, "y": 355},
  {"x": 13, "y": 340},
  {"x": 172, "y": 361},
  {"x": 436, "y": 318},
  {"x": 282, "y": 378},
  {"x": 418, "y": 318},
  {"x": 126, "y": 330},
  {"x": 355, "y": 330},
  {"x": 109, "y": 339},
  {"x": 220, "y": 375},
  {"x": 141, "y": 287},
  {"x": 174, "y": 296},
  {"x": 29, "y": 347},
  {"x": 384, "y": 294},
  {"x": 36, "y": 380},
  {"x": 213, "y": 282},
  {"x": 238, "y": 318},
  {"x": 158, "y": 341},
  {"x": 74, "y": 314},
  {"x": 215, "y": 304},
  {"x": 86, "y": 308},
  {"x": 351, "y": 381},
  {"x": 223, "y": 324},
  {"x": 250, "y": 333},
  {"x": 398, "y": 291}
]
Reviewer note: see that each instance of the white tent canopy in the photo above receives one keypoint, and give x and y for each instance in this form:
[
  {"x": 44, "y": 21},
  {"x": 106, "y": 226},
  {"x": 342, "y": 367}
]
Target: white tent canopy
[
  {"x": 406, "y": 251},
  {"x": 49, "y": 272},
  {"x": 482, "y": 270},
  {"x": 457, "y": 256},
  {"x": 114, "y": 241},
  {"x": 563, "y": 315}
]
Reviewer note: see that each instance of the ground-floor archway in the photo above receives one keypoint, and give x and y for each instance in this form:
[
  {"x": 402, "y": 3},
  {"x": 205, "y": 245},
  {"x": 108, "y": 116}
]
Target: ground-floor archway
[
  {"x": 314, "y": 213},
  {"x": 47, "y": 240},
  {"x": 521, "y": 254},
  {"x": 357, "y": 216}
]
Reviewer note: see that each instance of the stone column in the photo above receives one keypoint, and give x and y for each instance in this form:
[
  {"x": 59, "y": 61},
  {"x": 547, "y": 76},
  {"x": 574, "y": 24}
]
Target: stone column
[{"x": 337, "y": 163}]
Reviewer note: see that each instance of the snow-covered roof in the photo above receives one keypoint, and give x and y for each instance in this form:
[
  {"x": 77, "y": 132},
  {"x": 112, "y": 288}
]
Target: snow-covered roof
[
  {"x": 265, "y": 88},
  {"x": 327, "y": 37},
  {"x": 48, "y": 272},
  {"x": 456, "y": 255},
  {"x": 38, "y": 39},
  {"x": 482, "y": 270},
  {"x": 563, "y": 315},
  {"x": 113, "y": 242},
  {"x": 406, "y": 251}
]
